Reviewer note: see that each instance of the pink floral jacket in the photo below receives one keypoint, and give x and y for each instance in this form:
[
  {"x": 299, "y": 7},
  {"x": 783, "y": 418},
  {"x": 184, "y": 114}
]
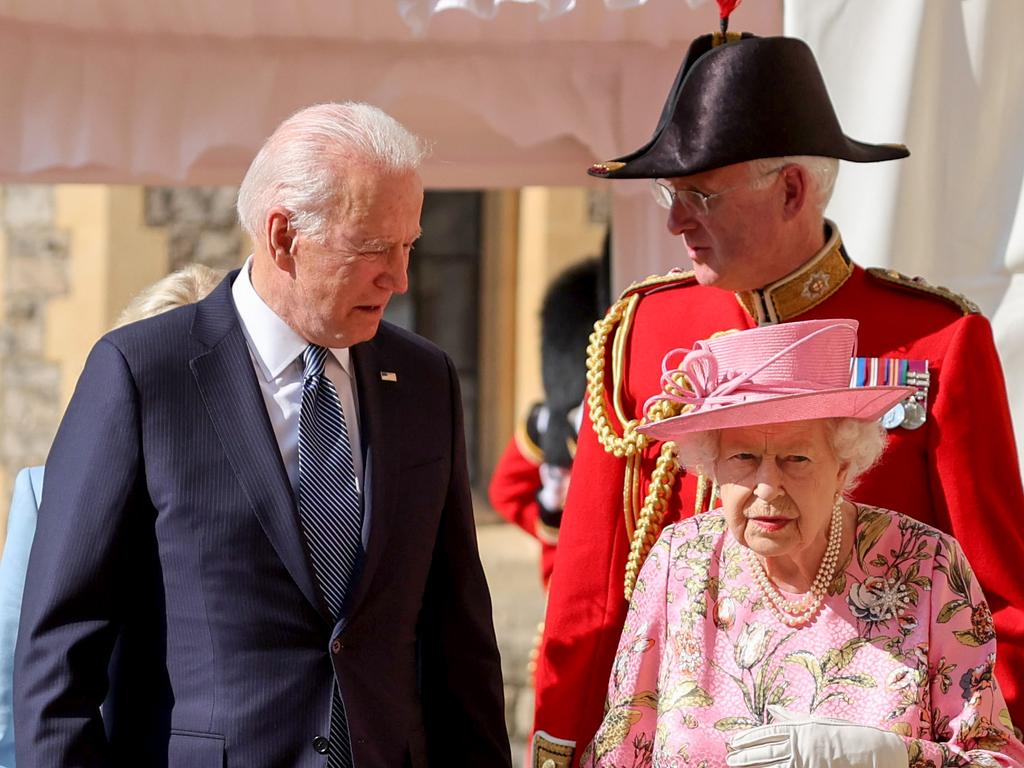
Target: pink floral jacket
[{"x": 904, "y": 642}]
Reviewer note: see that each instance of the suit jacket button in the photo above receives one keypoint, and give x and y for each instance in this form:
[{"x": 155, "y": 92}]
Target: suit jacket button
[
  {"x": 336, "y": 646},
  {"x": 321, "y": 745}
]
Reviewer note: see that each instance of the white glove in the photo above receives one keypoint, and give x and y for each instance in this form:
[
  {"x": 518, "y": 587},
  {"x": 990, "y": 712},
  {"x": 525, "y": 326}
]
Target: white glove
[
  {"x": 803, "y": 741},
  {"x": 554, "y": 482}
]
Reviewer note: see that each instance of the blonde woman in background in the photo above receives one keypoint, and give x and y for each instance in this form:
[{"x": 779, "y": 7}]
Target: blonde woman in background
[{"x": 184, "y": 286}]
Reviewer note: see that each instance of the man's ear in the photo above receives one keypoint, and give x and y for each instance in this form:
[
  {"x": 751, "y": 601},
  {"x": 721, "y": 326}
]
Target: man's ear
[
  {"x": 280, "y": 238},
  {"x": 796, "y": 182}
]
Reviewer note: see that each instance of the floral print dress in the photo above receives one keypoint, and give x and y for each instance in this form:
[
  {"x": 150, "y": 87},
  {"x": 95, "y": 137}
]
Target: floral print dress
[{"x": 903, "y": 642}]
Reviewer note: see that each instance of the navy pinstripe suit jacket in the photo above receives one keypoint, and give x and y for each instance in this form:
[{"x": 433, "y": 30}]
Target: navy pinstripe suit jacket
[{"x": 169, "y": 578}]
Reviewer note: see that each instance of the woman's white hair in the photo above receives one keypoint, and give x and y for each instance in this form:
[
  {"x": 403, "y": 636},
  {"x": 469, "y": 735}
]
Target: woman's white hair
[
  {"x": 856, "y": 443},
  {"x": 184, "y": 286},
  {"x": 302, "y": 165},
  {"x": 823, "y": 172}
]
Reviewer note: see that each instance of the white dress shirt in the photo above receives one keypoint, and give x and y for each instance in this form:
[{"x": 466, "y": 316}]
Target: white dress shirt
[{"x": 276, "y": 352}]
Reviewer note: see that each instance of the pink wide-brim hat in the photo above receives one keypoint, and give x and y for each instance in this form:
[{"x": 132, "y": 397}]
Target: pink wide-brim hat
[{"x": 767, "y": 375}]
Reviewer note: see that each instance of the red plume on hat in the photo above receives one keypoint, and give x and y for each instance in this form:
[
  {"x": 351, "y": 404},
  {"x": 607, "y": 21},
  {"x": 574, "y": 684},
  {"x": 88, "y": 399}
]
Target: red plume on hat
[{"x": 726, "y": 7}]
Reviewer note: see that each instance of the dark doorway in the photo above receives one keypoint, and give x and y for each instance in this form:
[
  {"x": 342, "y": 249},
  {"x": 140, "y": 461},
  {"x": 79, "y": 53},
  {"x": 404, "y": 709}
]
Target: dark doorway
[{"x": 443, "y": 302}]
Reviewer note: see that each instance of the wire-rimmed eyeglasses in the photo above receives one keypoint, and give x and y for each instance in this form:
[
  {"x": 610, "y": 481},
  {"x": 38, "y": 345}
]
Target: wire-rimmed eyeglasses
[{"x": 695, "y": 201}]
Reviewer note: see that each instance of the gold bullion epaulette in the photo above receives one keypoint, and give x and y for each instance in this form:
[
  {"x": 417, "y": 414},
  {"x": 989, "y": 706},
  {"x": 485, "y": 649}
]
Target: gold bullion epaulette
[
  {"x": 893, "y": 277},
  {"x": 610, "y": 335},
  {"x": 676, "y": 276}
]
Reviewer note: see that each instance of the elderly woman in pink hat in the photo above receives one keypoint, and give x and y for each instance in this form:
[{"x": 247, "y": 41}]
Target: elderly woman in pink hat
[{"x": 791, "y": 627}]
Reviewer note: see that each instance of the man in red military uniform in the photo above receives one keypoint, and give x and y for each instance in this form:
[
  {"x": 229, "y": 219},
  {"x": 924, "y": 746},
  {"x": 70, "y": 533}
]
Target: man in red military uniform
[{"x": 744, "y": 157}]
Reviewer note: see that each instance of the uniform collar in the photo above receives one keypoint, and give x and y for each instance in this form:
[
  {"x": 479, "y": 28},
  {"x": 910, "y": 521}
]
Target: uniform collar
[
  {"x": 803, "y": 288},
  {"x": 274, "y": 344}
]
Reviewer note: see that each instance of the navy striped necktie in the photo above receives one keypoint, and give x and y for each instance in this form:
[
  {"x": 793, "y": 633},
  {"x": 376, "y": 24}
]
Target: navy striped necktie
[{"x": 329, "y": 508}]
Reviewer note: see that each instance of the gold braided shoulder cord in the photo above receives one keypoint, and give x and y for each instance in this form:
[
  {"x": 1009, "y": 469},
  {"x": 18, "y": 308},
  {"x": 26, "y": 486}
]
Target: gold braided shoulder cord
[
  {"x": 650, "y": 521},
  {"x": 643, "y": 526},
  {"x": 630, "y": 444}
]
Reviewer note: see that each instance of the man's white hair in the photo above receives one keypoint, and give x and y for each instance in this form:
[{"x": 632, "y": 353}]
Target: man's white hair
[
  {"x": 856, "y": 443},
  {"x": 822, "y": 170},
  {"x": 302, "y": 165}
]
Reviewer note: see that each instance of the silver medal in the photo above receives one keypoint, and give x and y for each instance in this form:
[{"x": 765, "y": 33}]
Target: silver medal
[
  {"x": 894, "y": 416},
  {"x": 914, "y": 415}
]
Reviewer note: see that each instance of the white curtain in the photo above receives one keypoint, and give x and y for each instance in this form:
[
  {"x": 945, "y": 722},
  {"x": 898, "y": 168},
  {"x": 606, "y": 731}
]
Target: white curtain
[{"x": 946, "y": 77}]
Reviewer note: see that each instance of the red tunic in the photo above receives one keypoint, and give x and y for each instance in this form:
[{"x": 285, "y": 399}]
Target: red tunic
[
  {"x": 957, "y": 472},
  {"x": 513, "y": 494}
]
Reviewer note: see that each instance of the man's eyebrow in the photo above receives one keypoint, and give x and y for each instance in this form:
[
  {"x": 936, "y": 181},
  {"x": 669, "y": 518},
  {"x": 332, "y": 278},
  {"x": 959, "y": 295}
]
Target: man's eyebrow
[{"x": 380, "y": 242}]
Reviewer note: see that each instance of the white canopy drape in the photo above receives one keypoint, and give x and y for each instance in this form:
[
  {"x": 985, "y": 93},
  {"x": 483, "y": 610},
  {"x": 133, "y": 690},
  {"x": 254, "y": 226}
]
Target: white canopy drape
[
  {"x": 947, "y": 79},
  {"x": 184, "y": 91}
]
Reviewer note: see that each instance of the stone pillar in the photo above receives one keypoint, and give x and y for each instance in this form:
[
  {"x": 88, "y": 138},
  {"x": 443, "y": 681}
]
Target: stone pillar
[
  {"x": 112, "y": 255},
  {"x": 498, "y": 324},
  {"x": 558, "y": 227}
]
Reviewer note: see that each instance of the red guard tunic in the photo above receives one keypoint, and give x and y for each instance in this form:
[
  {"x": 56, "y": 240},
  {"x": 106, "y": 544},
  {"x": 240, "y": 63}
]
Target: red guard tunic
[
  {"x": 513, "y": 494},
  {"x": 958, "y": 471}
]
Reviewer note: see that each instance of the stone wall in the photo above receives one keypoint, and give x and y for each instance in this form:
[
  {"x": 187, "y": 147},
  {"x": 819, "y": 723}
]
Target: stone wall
[
  {"x": 35, "y": 270},
  {"x": 201, "y": 225}
]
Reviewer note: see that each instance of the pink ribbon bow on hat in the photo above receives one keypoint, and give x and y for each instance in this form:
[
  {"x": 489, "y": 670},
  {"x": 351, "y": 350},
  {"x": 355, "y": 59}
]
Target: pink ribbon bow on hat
[{"x": 705, "y": 385}]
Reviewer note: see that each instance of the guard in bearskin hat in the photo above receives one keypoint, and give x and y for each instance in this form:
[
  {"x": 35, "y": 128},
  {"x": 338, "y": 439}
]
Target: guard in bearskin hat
[
  {"x": 743, "y": 158},
  {"x": 531, "y": 479}
]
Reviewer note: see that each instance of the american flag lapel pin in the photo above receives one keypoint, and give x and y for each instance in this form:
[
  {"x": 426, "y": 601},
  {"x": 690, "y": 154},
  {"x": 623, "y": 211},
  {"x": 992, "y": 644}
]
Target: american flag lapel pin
[{"x": 388, "y": 376}]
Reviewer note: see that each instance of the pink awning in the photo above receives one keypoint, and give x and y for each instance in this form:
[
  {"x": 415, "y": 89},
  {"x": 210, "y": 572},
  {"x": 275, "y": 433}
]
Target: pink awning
[{"x": 184, "y": 91}]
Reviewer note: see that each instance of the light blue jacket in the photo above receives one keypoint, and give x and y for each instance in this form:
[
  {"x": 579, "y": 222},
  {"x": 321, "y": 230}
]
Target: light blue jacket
[{"x": 21, "y": 527}]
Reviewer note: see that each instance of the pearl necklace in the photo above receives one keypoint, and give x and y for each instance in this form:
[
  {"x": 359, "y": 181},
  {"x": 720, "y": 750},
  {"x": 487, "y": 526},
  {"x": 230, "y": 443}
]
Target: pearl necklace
[{"x": 794, "y": 613}]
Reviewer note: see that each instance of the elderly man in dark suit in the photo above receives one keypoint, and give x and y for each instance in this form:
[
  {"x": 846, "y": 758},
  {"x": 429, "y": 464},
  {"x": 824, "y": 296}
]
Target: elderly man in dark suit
[{"x": 256, "y": 544}]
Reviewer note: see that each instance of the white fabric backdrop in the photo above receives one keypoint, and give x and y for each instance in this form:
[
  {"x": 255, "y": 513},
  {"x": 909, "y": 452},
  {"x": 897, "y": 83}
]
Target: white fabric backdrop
[{"x": 945, "y": 77}]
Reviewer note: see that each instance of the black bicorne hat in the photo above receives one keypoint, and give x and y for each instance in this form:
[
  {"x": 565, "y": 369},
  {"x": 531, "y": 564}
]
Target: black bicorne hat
[{"x": 750, "y": 98}]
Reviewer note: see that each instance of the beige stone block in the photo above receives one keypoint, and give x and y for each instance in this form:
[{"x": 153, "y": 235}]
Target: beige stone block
[
  {"x": 157, "y": 206},
  {"x": 28, "y": 205},
  {"x": 33, "y": 374},
  {"x": 182, "y": 242},
  {"x": 217, "y": 248},
  {"x": 189, "y": 205},
  {"x": 37, "y": 262},
  {"x": 31, "y": 425},
  {"x": 222, "y": 207},
  {"x": 22, "y": 331}
]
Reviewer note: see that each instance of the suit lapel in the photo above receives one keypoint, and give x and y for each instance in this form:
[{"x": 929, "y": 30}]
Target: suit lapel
[
  {"x": 379, "y": 431},
  {"x": 226, "y": 378}
]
